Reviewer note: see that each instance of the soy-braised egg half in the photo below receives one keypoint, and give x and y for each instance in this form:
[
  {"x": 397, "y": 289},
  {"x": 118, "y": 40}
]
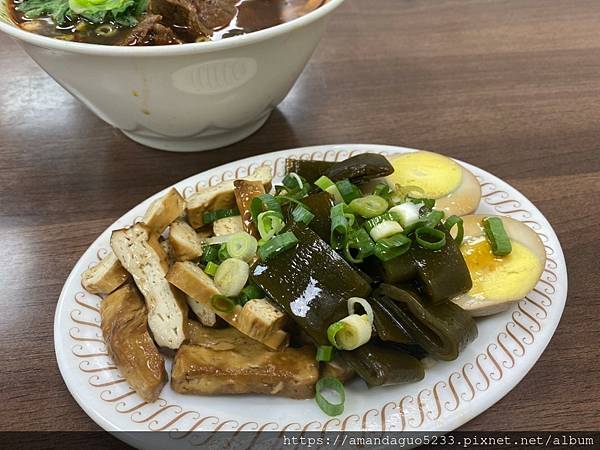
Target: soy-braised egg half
[
  {"x": 454, "y": 188},
  {"x": 498, "y": 281}
]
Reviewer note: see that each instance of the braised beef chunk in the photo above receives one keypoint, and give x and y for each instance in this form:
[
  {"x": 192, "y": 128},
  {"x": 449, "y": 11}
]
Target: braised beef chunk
[
  {"x": 198, "y": 17},
  {"x": 139, "y": 33},
  {"x": 151, "y": 32},
  {"x": 162, "y": 35}
]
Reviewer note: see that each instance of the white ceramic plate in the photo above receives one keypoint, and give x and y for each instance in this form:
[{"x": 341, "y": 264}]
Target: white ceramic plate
[{"x": 450, "y": 394}]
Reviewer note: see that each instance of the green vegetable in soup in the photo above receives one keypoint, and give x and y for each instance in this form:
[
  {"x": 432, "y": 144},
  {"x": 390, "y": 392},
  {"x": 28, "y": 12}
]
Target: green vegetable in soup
[{"x": 121, "y": 12}]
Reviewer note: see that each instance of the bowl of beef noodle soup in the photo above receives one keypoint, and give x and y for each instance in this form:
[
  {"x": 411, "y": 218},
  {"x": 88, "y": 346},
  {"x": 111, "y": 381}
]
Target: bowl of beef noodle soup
[{"x": 179, "y": 75}]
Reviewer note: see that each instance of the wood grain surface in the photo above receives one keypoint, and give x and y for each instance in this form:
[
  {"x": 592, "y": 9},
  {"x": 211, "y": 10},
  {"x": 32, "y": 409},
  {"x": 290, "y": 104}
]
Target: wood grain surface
[{"x": 510, "y": 86}]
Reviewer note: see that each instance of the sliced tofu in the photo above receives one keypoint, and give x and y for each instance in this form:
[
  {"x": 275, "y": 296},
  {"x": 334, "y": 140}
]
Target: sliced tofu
[
  {"x": 129, "y": 344},
  {"x": 185, "y": 242},
  {"x": 205, "y": 314},
  {"x": 259, "y": 318},
  {"x": 140, "y": 253},
  {"x": 163, "y": 211},
  {"x": 168, "y": 250},
  {"x": 104, "y": 277},
  {"x": 225, "y": 361},
  {"x": 192, "y": 280},
  {"x": 220, "y": 196},
  {"x": 245, "y": 191},
  {"x": 228, "y": 225}
]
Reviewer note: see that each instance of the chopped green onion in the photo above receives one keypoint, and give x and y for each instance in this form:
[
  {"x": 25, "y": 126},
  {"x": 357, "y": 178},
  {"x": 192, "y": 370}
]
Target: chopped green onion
[
  {"x": 497, "y": 236},
  {"x": 211, "y": 268},
  {"x": 269, "y": 223},
  {"x": 250, "y": 292},
  {"x": 430, "y": 238},
  {"x": 428, "y": 202},
  {"x": 406, "y": 213},
  {"x": 301, "y": 214},
  {"x": 460, "y": 230},
  {"x": 361, "y": 243},
  {"x": 231, "y": 276},
  {"x": 350, "y": 333},
  {"x": 348, "y": 191},
  {"x": 323, "y": 183},
  {"x": 368, "y": 206},
  {"x": 223, "y": 304},
  {"x": 276, "y": 245},
  {"x": 223, "y": 253},
  {"x": 431, "y": 220},
  {"x": 210, "y": 253},
  {"x": 324, "y": 353},
  {"x": 293, "y": 182},
  {"x": 242, "y": 246},
  {"x": 392, "y": 247},
  {"x": 385, "y": 229},
  {"x": 210, "y": 216},
  {"x": 329, "y": 186},
  {"x": 371, "y": 223},
  {"x": 331, "y": 409},
  {"x": 264, "y": 202},
  {"x": 383, "y": 190},
  {"x": 365, "y": 304},
  {"x": 339, "y": 225}
]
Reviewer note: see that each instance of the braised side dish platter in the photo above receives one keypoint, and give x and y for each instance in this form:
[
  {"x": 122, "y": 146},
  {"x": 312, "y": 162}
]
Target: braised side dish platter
[
  {"x": 369, "y": 267},
  {"x": 153, "y": 22}
]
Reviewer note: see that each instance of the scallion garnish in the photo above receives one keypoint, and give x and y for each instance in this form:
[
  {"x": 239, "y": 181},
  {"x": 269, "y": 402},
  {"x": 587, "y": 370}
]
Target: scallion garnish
[
  {"x": 350, "y": 333},
  {"x": 211, "y": 268},
  {"x": 210, "y": 253},
  {"x": 357, "y": 246},
  {"x": 329, "y": 186},
  {"x": 385, "y": 229},
  {"x": 431, "y": 220},
  {"x": 428, "y": 202},
  {"x": 264, "y": 202},
  {"x": 252, "y": 291},
  {"x": 460, "y": 230},
  {"x": 497, "y": 236},
  {"x": 383, "y": 190},
  {"x": 369, "y": 224},
  {"x": 210, "y": 216},
  {"x": 348, "y": 191},
  {"x": 276, "y": 245},
  {"x": 339, "y": 225},
  {"x": 368, "y": 206},
  {"x": 223, "y": 253},
  {"x": 406, "y": 213},
  {"x": 269, "y": 223},
  {"x": 303, "y": 215},
  {"x": 222, "y": 304},
  {"x": 329, "y": 408},
  {"x": 392, "y": 247},
  {"x": 242, "y": 246},
  {"x": 430, "y": 238},
  {"x": 324, "y": 353}
]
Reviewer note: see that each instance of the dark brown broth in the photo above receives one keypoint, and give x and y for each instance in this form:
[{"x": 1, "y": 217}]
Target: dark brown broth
[{"x": 252, "y": 15}]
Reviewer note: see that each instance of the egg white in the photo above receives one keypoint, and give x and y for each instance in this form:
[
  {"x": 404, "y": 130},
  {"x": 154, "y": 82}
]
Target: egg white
[
  {"x": 464, "y": 199},
  {"x": 519, "y": 233}
]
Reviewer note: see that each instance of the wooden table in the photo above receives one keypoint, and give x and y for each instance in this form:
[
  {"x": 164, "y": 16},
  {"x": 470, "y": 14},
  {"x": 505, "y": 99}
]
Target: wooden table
[{"x": 511, "y": 86}]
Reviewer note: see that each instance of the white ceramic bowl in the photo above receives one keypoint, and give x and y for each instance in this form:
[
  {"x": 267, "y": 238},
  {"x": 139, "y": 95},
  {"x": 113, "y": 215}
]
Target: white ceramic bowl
[{"x": 184, "y": 97}]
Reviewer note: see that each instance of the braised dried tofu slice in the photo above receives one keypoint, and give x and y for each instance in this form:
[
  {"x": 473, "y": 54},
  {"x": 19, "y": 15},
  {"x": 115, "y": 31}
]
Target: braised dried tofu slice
[
  {"x": 225, "y": 361},
  {"x": 245, "y": 191},
  {"x": 192, "y": 280},
  {"x": 129, "y": 344},
  {"x": 163, "y": 211},
  {"x": 143, "y": 257},
  {"x": 185, "y": 242},
  {"x": 227, "y": 225},
  {"x": 220, "y": 196},
  {"x": 104, "y": 277}
]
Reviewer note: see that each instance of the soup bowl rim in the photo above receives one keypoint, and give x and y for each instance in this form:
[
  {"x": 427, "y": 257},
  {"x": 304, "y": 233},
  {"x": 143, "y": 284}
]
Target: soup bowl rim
[{"x": 170, "y": 50}]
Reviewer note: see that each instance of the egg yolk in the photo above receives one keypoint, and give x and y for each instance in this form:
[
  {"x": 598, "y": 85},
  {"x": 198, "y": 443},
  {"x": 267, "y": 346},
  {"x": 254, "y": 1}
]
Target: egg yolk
[
  {"x": 435, "y": 174},
  {"x": 500, "y": 278}
]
